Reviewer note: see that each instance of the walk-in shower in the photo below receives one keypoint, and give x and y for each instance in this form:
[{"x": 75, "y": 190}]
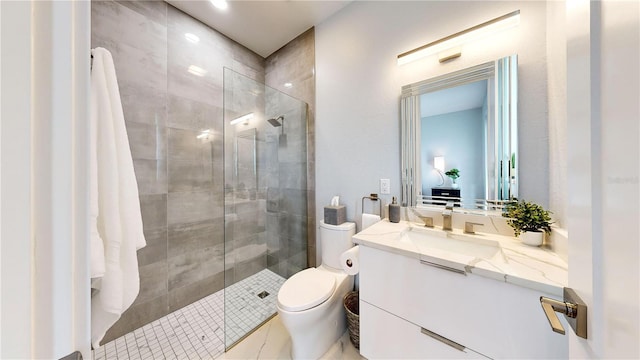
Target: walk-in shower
[
  {"x": 265, "y": 199},
  {"x": 224, "y": 205}
]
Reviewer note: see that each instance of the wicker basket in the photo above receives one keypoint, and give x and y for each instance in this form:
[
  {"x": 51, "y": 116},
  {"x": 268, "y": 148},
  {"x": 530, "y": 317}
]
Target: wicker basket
[{"x": 352, "y": 308}]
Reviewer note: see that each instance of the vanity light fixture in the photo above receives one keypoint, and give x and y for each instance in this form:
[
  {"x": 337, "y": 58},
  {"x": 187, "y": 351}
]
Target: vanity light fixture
[
  {"x": 449, "y": 43},
  {"x": 242, "y": 119},
  {"x": 288, "y": 85},
  {"x": 438, "y": 164}
]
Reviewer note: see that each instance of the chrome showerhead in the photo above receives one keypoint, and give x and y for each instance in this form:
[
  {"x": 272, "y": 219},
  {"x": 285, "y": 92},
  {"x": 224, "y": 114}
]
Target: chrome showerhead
[{"x": 276, "y": 122}]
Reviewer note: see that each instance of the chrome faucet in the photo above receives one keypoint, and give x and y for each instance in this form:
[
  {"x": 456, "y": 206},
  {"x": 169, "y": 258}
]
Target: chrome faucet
[{"x": 447, "y": 215}]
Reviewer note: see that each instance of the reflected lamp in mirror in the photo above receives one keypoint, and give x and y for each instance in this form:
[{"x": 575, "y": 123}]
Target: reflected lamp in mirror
[
  {"x": 449, "y": 47},
  {"x": 438, "y": 164}
]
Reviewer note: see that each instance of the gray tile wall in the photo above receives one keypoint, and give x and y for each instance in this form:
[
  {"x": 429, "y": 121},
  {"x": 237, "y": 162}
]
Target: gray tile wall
[
  {"x": 295, "y": 63},
  {"x": 180, "y": 177},
  {"x": 278, "y": 241}
]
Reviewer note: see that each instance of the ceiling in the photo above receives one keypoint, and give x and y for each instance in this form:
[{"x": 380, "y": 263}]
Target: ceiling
[
  {"x": 469, "y": 96},
  {"x": 262, "y": 26}
]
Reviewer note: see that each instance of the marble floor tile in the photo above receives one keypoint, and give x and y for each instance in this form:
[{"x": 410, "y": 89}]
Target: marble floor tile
[
  {"x": 272, "y": 341},
  {"x": 197, "y": 331}
]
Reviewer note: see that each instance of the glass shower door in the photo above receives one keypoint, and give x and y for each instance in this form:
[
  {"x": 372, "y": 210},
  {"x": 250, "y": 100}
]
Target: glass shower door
[{"x": 265, "y": 136}]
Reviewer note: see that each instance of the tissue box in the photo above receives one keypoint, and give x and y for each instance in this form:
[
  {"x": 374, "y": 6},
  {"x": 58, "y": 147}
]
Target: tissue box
[{"x": 335, "y": 215}]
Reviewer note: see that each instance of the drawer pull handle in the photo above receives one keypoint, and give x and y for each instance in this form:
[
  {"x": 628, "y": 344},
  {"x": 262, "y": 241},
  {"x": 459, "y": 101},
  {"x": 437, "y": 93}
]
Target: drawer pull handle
[
  {"x": 443, "y": 267},
  {"x": 442, "y": 339}
]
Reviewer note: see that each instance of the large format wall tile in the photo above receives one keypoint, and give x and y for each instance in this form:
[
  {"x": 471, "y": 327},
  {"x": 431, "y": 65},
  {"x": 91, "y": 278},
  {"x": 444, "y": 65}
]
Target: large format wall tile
[
  {"x": 152, "y": 281},
  {"x": 147, "y": 141},
  {"x": 154, "y": 211},
  {"x": 123, "y": 25},
  {"x": 195, "y": 236},
  {"x": 137, "y": 316},
  {"x": 188, "y": 294},
  {"x": 151, "y": 10},
  {"x": 194, "y": 176},
  {"x": 180, "y": 176},
  {"x": 188, "y": 207},
  {"x": 151, "y": 176},
  {"x": 185, "y": 145},
  {"x": 295, "y": 63},
  {"x": 187, "y": 268},
  {"x": 156, "y": 249},
  {"x": 185, "y": 113}
]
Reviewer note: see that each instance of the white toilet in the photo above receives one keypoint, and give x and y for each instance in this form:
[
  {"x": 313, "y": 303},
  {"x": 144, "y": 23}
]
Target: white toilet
[{"x": 310, "y": 302}]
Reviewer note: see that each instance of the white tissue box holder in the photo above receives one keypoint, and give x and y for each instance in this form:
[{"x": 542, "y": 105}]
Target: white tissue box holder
[{"x": 335, "y": 215}]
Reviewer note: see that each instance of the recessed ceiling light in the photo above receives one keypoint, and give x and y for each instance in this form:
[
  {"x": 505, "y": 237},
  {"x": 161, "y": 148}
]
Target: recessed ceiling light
[
  {"x": 195, "y": 70},
  {"x": 288, "y": 85},
  {"x": 220, "y": 4},
  {"x": 192, "y": 38}
]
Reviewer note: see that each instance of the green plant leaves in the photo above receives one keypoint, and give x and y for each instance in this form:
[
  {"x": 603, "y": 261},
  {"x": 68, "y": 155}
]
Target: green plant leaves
[
  {"x": 453, "y": 173},
  {"x": 527, "y": 216}
]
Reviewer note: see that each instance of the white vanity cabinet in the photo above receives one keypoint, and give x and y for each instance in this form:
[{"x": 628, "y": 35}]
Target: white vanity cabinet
[{"x": 402, "y": 300}]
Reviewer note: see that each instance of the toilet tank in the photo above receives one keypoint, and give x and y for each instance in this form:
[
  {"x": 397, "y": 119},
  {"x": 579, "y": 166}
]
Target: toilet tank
[{"x": 335, "y": 240}]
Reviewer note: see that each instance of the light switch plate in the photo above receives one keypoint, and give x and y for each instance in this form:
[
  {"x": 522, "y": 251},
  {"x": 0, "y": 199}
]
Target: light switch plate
[{"x": 385, "y": 186}]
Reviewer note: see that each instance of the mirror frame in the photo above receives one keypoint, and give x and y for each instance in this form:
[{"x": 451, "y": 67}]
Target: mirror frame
[{"x": 503, "y": 72}]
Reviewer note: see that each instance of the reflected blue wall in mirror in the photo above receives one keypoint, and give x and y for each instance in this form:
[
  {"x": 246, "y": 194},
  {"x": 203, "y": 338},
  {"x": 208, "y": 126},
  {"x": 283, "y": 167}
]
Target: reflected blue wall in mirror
[
  {"x": 456, "y": 130},
  {"x": 484, "y": 150}
]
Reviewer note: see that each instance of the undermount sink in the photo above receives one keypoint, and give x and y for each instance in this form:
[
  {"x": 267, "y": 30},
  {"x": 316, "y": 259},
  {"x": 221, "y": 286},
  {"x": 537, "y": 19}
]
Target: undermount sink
[{"x": 441, "y": 240}]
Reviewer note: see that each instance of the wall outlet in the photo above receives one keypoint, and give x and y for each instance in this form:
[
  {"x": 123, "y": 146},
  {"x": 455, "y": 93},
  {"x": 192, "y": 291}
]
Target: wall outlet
[{"x": 385, "y": 186}]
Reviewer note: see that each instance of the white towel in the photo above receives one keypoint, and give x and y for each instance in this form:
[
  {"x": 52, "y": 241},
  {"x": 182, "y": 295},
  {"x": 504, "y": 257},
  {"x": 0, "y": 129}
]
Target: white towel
[
  {"x": 119, "y": 220},
  {"x": 369, "y": 219}
]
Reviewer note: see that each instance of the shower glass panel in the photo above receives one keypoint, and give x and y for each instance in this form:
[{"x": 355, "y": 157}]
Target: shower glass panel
[{"x": 265, "y": 156}]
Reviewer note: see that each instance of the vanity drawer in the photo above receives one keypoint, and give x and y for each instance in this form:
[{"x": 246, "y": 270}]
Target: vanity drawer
[
  {"x": 386, "y": 336},
  {"x": 484, "y": 314}
]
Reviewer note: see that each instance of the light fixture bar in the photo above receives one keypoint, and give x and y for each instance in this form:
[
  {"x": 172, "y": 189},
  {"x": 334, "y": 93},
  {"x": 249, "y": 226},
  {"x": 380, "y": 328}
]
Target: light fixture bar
[
  {"x": 243, "y": 118},
  {"x": 494, "y": 25}
]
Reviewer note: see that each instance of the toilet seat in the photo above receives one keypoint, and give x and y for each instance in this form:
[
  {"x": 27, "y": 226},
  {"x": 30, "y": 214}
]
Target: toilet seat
[{"x": 306, "y": 289}]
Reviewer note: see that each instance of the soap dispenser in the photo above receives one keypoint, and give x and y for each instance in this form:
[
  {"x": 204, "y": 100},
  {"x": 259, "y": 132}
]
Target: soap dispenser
[{"x": 394, "y": 211}]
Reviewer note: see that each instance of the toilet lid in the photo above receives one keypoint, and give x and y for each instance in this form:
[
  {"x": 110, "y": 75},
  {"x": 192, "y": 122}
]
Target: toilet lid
[{"x": 306, "y": 289}]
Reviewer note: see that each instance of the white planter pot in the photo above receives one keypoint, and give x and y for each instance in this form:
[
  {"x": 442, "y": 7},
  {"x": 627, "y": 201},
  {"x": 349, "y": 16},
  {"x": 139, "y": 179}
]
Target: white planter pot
[{"x": 532, "y": 238}]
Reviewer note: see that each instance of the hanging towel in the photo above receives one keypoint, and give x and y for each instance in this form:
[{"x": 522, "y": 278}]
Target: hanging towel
[{"x": 118, "y": 220}]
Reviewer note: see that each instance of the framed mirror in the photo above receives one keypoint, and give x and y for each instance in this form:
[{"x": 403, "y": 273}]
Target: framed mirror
[{"x": 464, "y": 121}]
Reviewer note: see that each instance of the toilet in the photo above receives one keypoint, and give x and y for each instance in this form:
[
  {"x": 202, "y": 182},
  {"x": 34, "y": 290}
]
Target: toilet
[{"x": 310, "y": 302}]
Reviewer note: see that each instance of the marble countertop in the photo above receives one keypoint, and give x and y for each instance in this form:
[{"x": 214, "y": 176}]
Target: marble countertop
[{"x": 501, "y": 258}]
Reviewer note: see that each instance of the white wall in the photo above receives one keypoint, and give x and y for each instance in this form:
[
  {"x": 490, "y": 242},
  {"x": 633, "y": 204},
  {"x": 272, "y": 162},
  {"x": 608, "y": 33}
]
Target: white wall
[
  {"x": 358, "y": 89},
  {"x": 557, "y": 98},
  {"x": 44, "y": 248},
  {"x": 603, "y": 88}
]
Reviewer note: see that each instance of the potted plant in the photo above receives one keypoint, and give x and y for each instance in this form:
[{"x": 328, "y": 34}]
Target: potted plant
[
  {"x": 529, "y": 221},
  {"x": 454, "y": 174}
]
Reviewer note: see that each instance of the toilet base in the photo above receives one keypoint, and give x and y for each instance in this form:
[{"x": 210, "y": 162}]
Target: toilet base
[{"x": 314, "y": 331}]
